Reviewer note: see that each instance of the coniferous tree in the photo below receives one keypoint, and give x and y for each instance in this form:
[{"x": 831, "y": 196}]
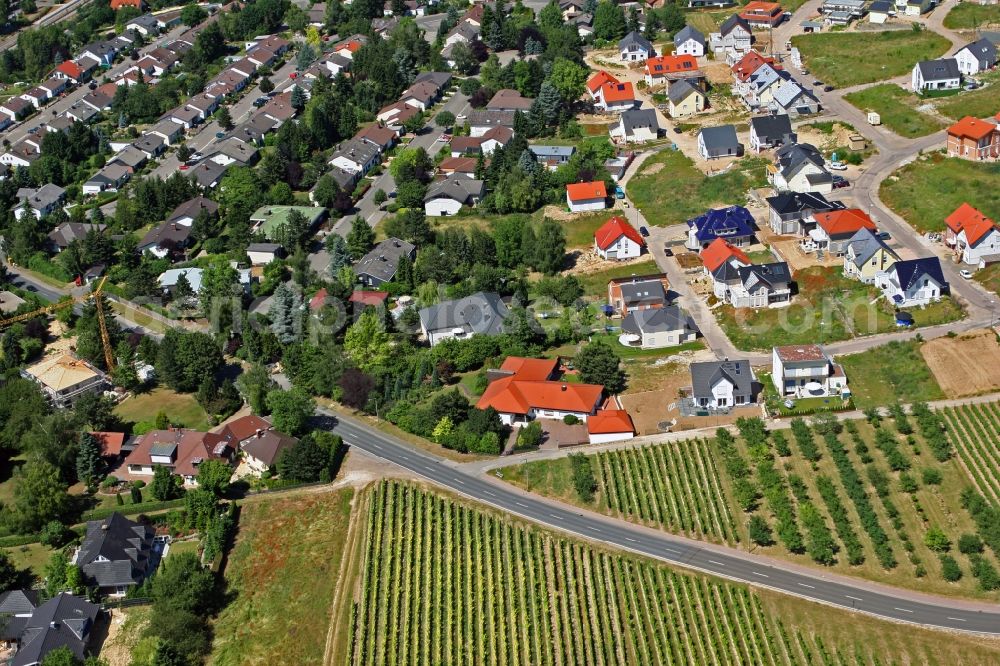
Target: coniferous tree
[{"x": 286, "y": 313}]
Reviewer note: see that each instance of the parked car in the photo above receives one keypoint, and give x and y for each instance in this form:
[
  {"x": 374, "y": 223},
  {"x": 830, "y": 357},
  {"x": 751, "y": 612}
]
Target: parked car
[
  {"x": 818, "y": 84},
  {"x": 677, "y": 130},
  {"x": 827, "y": 88},
  {"x": 838, "y": 166},
  {"x": 293, "y": 75},
  {"x": 183, "y": 167},
  {"x": 619, "y": 192},
  {"x": 644, "y": 231},
  {"x": 965, "y": 273},
  {"x": 883, "y": 235},
  {"x": 259, "y": 102},
  {"x": 839, "y": 182},
  {"x": 667, "y": 251},
  {"x": 220, "y": 135}
]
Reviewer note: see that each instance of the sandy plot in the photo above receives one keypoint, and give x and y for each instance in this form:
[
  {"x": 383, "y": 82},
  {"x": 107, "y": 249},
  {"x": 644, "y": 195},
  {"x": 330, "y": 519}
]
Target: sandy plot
[{"x": 966, "y": 364}]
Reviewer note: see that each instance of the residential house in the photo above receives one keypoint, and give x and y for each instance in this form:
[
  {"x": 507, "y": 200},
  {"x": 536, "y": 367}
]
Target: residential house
[
  {"x": 71, "y": 71},
  {"x": 116, "y": 554},
  {"x": 806, "y": 371},
  {"x": 279, "y": 109},
  {"x": 867, "y": 255},
  {"x": 32, "y": 633},
  {"x": 186, "y": 213},
  {"x": 446, "y": 197},
  {"x": 743, "y": 68},
  {"x": 552, "y": 156},
  {"x": 482, "y": 313},
  {"x": 878, "y": 11},
  {"x": 185, "y": 116},
  {"x": 482, "y": 121},
  {"x": 733, "y": 39},
  {"x": 381, "y": 263},
  {"x": 506, "y": 99},
  {"x": 662, "y": 69},
  {"x": 36, "y": 96},
  {"x": 733, "y": 224},
  {"x": 146, "y": 25},
  {"x": 759, "y": 14},
  {"x": 261, "y": 254},
  {"x": 261, "y": 452},
  {"x": 207, "y": 173},
  {"x": 762, "y": 285},
  {"x": 21, "y": 154},
  {"x": 974, "y": 139},
  {"x": 100, "y": 100},
  {"x": 581, "y": 197},
  {"x": 356, "y": 156},
  {"x": 39, "y": 202},
  {"x": 617, "y": 240},
  {"x": 610, "y": 425},
  {"x": 940, "y": 74},
  {"x": 598, "y": 81},
  {"x": 396, "y": 114},
  {"x": 458, "y": 166},
  {"x": 836, "y": 227},
  {"x": 496, "y": 137},
  {"x": 918, "y": 7},
  {"x": 103, "y": 52},
  {"x": 63, "y": 378},
  {"x": 659, "y": 328},
  {"x": 382, "y": 138},
  {"x": 168, "y": 130},
  {"x": 758, "y": 90},
  {"x": 54, "y": 86},
  {"x": 722, "y": 385},
  {"x": 204, "y": 104},
  {"x": 638, "y": 292},
  {"x": 67, "y": 232},
  {"x": 420, "y": 95},
  {"x": 231, "y": 151},
  {"x": 462, "y": 146},
  {"x": 151, "y": 145},
  {"x": 633, "y": 47},
  {"x": 788, "y": 97},
  {"x": 269, "y": 219},
  {"x": 768, "y": 132},
  {"x": 721, "y": 141},
  {"x": 179, "y": 450},
  {"x": 799, "y": 167},
  {"x": 972, "y": 235},
  {"x": 616, "y": 97},
  {"x": 167, "y": 239},
  {"x": 16, "y": 109},
  {"x": 722, "y": 261},
  {"x": 524, "y": 389},
  {"x": 910, "y": 282},
  {"x": 108, "y": 179},
  {"x": 80, "y": 112},
  {"x": 636, "y": 126},
  {"x": 979, "y": 56},
  {"x": 792, "y": 212},
  {"x": 685, "y": 99},
  {"x": 689, "y": 41}
]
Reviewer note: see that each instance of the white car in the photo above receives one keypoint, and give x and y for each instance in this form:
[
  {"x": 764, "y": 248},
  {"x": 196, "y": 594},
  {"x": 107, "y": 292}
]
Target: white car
[
  {"x": 966, "y": 274},
  {"x": 838, "y": 166}
]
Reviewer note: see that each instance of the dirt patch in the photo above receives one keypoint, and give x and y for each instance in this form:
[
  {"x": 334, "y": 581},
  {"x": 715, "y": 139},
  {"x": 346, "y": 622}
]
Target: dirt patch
[
  {"x": 122, "y": 632},
  {"x": 653, "y": 169},
  {"x": 966, "y": 364},
  {"x": 586, "y": 263}
]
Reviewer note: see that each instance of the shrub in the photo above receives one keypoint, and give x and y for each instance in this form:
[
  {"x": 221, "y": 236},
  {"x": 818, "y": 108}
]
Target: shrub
[
  {"x": 937, "y": 540},
  {"x": 969, "y": 544},
  {"x": 570, "y": 419},
  {"x": 931, "y": 476},
  {"x": 950, "y": 570},
  {"x": 907, "y": 483},
  {"x": 584, "y": 480},
  {"x": 760, "y": 531}
]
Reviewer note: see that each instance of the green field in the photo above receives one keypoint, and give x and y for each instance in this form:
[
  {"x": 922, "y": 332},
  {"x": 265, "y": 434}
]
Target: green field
[
  {"x": 447, "y": 583},
  {"x": 980, "y": 103},
  {"x": 850, "y": 58},
  {"x": 969, "y": 15},
  {"x": 989, "y": 277},
  {"x": 678, "y": 191},
  {"x": 181, "y": 408},
  {"x": 896, "y": 108},
  {"x": 894, "y": 371},
  {"x": 595, "y": 285},
  {"x": 974, "y": 430},
  {"x": 929, "y": 189},
  {"x": 284, "y": 573},
  {"x": 843, "y": 492}
]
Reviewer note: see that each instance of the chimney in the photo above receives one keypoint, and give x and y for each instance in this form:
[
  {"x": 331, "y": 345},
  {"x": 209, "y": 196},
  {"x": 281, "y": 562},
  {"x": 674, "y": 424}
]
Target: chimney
[
  {"x": 564, "y": 387},
  {"x": 259, "y": 432}
]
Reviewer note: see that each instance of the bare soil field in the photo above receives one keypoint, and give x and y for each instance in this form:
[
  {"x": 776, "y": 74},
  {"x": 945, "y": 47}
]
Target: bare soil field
[{"x": 966, "y": 364}]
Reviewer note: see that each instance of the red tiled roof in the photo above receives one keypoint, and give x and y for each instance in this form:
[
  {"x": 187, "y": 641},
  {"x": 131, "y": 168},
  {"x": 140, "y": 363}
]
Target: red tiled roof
[
  {"x": 670, "y": 64},
  {"x": 459, "y": 164},
  {"x": 111, "y": 442},
  {"x": 529, "y": 388},
  {"x": 368, "y": 297},
  {"x": 609, "y": 421},
  {"x": 617, "y": 92},
  {"x": 316, "y": 302},
  {"x": 191, "y": 446},
  {"x": 971, "y": 220},
  {"x": 750, "y": 63},
  {"x": 615, "y": 228},
  {"x": 844, "y": 222},
  {"x": 530, "y": 369},
  {"x": 239, "y": 429},
  {"x": 70, "y": 69},
  {"x": 118, "y": 4},
  {"x": 972, "y": 128},
  {"x": 719, "y": 252},
  {"x": 584, "y": 191},
  {"x": 597, "y": 81}
]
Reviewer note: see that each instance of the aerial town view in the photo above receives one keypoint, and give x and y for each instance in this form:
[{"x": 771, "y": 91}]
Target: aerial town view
[{"x": 503, "y": 332}]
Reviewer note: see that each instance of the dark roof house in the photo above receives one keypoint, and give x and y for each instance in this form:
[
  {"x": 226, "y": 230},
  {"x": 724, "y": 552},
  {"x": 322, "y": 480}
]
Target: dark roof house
[
  {"x": 62, "y": 621},
  {"x": 116, "y": 553},
  {"x": 380, "y": 264}
]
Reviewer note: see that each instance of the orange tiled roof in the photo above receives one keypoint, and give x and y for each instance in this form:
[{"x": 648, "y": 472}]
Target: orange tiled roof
[
  {"x": 669, "y": 64},
  {"x": 617, "y": 92},
  {"x": 844, "y": 222},
  {"x": 583, "y": 191},
  {"x": 597, "y": 81},
  {"x": 750, "y": 63},
  {"x": 972, "y": 128},
  {"x": 530, "y": 369},
  {"x": 608, "y": 421},
  {"x": 511, "y": 395},
  {"x": 719, "y": 252},
  {"x": 615, "y": 228},
  {"x": 975, "y": 224}
]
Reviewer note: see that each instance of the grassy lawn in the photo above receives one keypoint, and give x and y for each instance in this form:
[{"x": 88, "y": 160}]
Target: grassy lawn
[
  {"x": 595, "y": 285},
  {"x": 926, "y": 191},
  {"x": 989, "y": 277},
  {"x": 969, "y": 15},
  {"x": 580, "y": 230},
  {"x": 284, "y": 572},
  {"x": 706, "y": 21},
  {"x": 981, "y": 103},
  {"x": 636, "y": 352},
  {"x": 678, "y": 191},
  {"x": 896, "y": 107},
  {"x": 894, "y": 371},
  {"x": 849, "y": 59},
  {"x": 183, "y": 547},
  {"x": 182, "y": 409},
  {"x": 33, "y": 556}
]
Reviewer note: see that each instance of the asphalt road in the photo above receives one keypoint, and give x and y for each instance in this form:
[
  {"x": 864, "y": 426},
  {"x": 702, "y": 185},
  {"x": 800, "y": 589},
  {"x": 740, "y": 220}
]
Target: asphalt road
[{"x": 727, "y": 563}]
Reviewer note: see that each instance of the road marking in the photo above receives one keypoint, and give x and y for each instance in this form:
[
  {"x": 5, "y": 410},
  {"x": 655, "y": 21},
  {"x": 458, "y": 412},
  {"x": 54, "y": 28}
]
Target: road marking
[
  {"x": 520, "y": 504},
  {"x": 757, "y": 573},
  {"x": 811, "y": 587},
  {"x": 719, "y": 563},
  {"x": 855, "y": 598},
  {"x": 486, "y": 492},
  {"x": 905, "y": 610},
  {"x": 631, "y": 539},
  {"x": 557, "y": 517},
  {"x": 460, "y": 481},
  {"x": 956, "y": 619}
]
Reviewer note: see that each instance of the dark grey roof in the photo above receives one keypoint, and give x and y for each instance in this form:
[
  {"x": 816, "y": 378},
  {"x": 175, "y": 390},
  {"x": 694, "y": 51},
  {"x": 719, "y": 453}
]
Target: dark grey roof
[
  {"x": 982, "y": 50},
  {"x": 882, "y": 6},
  {"x": 775, "y": 274},
  {"x": 484, "y": 118},
  {"x": 686, "y": 33},
  {"x": 864, "y": 244},
  {"x": 383, "y": 260},
  {"x": 46, "y": 196},
  {"x": 727, "y": 271},
  {"x": 792, "y": 156},
  {"x": 657, "y": 320},
  {"x": 192, "y": 207},
  {"x": 62, "y": 621},
  {"x": 719, "y": 138},
  {"x": 644, "y": 292},
  {"x": 440, "y": 79},
  {"x": 707, "y": 374},
  {"x": 788, "y": 203},
  {"x": 18, "y": 602},
  {"x": 456, "y": 187},
  {"x": 634, "y": 41},
  {"x": 168, "y": 236},
  {"x": 206, "y": 173},
  {"x": 67, "y": 232},
  {"x": 730, "y": 23},
  {"x": 639, "y": 119},
  {"x": 680, "y": 89},
  {"x": 115, "y": 551},
  {"x": 772, "y": 128},
  {"x": 263, "y": 247},
  {"x": 543, "y": 152},
  {"x": 940, "y": 69},
  {"x": 910, "y": 271},
  {"x": 357, "y": 151},
  {"x": 482, "y": 313}
]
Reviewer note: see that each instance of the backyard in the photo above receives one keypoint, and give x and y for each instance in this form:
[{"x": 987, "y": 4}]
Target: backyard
[
  {"x": 969, "y": 15},
  {"x": 891, "y": 372},
  {"x": 181, "y": 409},
  {"x": 669, "y": 189},
  {"x": 929, "y": 189},
  {"x": 989, "y": 277},
  {"x": 849, "y": 59},
  {"x": 979, "y": 103},
  {"x": 595, "y": 284},
  {"x": 896, "y": 108}
]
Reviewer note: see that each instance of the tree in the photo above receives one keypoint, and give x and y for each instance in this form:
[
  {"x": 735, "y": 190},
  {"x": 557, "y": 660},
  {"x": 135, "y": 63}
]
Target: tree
[
  {"x": 444, "y": 119},
  {"x": 584, "y": 480},
  {"x": 759, "y": 531},
  {"x": 367, "y": 343},
  {"x": 937, "y": 540},
  {"x": 185, "y": 359},
  {"x": 61, "y": 656},
  {"x": 672, "y": 18},
  {"x": 290, "y": 410},
  {"x": 40, "y": 495},
  {"x": 340, "y": 254},
  {"x": 286, "y": 313},
  {"x": 305, "y": 57},
  {"x": 550, "y": 247},
  {"x": 361, "y": 238},
  {"x": 55, "y": 534},
  {"x": 546, "y": 108},
  {"x": 598, "y": 364},
  {"x": 298, "y": 98},
  {"x": 569, "y": 78},
  {"x": 465, "y": 61},
  {"x": 443, "y": 429},
  {"x": 969, "y": 544},
  {"x": 192, "y": 15},
  {"x": 10, "y": 577},
  {"x": 310, "y": 459},
  {"x": 530, "y": 435},
  {"x": 165, "y": 486},
  {"x": 266, "y": 85},
  {"x": 213, "y": 476},
  {"x": 412, "y": 163},
  {"x": 183, "y": 292},
  {"x": 950, "y": 570},
  {"x": 181, "y": 584},
  {"x": 609, "y": 21},
  {"x": 166, "y": 654},
  {"x": 326, "y": 191},
  {"x": 89, "y": 464},
  {"x": 224, "y": 119},
  {"x": 380, "y": 197}
]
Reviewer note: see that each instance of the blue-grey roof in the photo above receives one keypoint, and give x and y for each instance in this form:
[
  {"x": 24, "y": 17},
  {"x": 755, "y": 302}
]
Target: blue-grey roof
[
  {"x": 982, "y": 50},
  {"x": 639, "y": 118},
  {"x": 911, "y": 271},
  {"x": 657, "y": 320},
  {"x": 939, "y": 70},
  {"x": 541, "y": 152},
  {"x": 771, "y": 128},
  {"x": 787, "y": 203},
  {"x": 18, "y": 602},
  {"x": 719, "y": 138},
  {"x": 730, "y": 24},
  {"x": 773, "y": 275},
  {"x": 864, "y": 244},
  {"x": 707, "y": 374},
  {"x": 482, "y": 313},
  {"x": 643, "y": 292},
  {"x": 634, "y": 39},
  {"x": 731, "y": 222},
  {"x": 686, "y": 33},
  {"x": 681, "y": 89}
]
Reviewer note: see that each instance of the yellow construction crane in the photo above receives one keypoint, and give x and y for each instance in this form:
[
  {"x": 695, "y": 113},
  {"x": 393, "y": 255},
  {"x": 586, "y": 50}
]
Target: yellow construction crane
[{"x": 109, "y": 357}]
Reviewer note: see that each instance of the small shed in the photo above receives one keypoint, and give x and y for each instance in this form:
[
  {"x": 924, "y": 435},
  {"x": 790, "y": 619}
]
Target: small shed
[
  {"x": 874, "y": 118},
  {"x": 857, "y": 142}
]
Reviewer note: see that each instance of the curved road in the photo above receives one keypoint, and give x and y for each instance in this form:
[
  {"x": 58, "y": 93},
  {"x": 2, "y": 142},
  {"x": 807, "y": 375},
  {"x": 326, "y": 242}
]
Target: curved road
[{"x": 726, "y": 563}]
